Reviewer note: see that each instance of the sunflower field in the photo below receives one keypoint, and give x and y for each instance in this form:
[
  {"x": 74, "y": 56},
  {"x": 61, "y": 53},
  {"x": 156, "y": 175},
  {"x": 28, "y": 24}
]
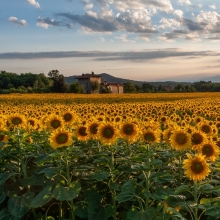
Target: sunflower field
[{"x": 110, "y": 157}]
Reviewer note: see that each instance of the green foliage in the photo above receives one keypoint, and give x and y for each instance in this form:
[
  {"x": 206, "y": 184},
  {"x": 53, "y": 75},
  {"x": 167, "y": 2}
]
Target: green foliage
[{"x": 75, "y": 87}]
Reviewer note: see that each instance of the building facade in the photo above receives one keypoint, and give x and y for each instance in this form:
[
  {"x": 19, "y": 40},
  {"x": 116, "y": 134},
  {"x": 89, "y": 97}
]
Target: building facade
[{"x": 92, "y": 84}]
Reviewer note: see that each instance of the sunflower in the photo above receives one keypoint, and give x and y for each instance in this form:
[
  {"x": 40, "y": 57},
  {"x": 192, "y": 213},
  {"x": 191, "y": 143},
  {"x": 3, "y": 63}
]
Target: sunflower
[
  {"x": 92, "y": 129},
  {"x": 107, "y": 133},
  {"x": 32, "y": 123},
  {"x": 150, "y": 136},
  {"x": 129, "y": 131},
  {"x": 166, "y": 134},
  {"x": 205, "y": 128},
  {"x": 209, "y": 150},
  {"x": 60, "y": 138},
  {"x": 81, "y": 133},
  {"x": 180, "y": 140},
  {"x": 17, "y": 120},
  {"x": 196, "y": 168},
  {"x": 68, "y": 117},
  {"x": 54, "y": 122},
  {"x": 198, "y": 139}
]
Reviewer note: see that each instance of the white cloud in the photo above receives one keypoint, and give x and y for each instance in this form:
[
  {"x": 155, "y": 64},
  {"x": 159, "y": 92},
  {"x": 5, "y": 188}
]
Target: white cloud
[
  {"x": 17, "y": 22},
  {"x": 169, "y": 23},
  {"x": 184, "y": 2},
  {"x": 178, "y": 13},
  {"x": 124, "y": 38},
  {"x": 193, "y": 37},
  {"x": 89, "y": 6},
  {"x": 92, "y": 13},
  {"x": 213, "y": 7},
  {"x": 43, "y": 24},
  {"x": 33, "y": 2}
]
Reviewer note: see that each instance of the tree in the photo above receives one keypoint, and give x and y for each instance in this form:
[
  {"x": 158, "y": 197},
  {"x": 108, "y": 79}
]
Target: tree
[
  {"x": 59, "y": 84},
  {"x": 147, "y": 87},
  {"x": 75, "y": 87},
  {"x": 138, "y": 88},
  {"x": 129, "y": 88},
  {"x": 95, "y": 86}
]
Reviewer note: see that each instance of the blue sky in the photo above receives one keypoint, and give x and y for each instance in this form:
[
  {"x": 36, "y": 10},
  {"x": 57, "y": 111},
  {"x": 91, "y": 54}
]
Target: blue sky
[{"x": 143, "y": 39}]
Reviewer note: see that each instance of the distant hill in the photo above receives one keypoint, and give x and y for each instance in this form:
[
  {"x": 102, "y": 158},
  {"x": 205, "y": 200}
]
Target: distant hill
[
  {"x": 212, "y": 79},
  {"x": 109, "y": 78}
]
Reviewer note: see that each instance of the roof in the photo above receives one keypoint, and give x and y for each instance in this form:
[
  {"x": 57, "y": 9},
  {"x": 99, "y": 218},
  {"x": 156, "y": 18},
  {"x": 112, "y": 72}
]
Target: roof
[{"x": 87, "y": 76}]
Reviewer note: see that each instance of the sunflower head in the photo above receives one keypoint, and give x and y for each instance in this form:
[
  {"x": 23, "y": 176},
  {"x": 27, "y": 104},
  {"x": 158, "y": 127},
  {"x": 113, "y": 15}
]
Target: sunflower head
[
  {"x": 17, "y": 120},
  {"x": 81, "y": 133},
  {"x": 129, "y": 131},
  {"x": 205, "y": 127},
  {"x": 107, "y": 133},
  {"x": 196, "y": 168},
  {"x": 150, "y": 136},
  {"x": 54, "y": 121},
  {"x": 180, "y": 140},
  {"x": 209, "y": 150},
  {"x": 92, "y": 129},
  {"x": 60, "y": 138},
  {"x": 68, "y": 117},
  {"x": 198, "y": 138}
]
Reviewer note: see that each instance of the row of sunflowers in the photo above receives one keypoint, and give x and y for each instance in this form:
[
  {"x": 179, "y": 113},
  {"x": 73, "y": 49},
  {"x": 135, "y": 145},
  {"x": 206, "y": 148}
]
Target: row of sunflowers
[{"x": 126, "y": 160}]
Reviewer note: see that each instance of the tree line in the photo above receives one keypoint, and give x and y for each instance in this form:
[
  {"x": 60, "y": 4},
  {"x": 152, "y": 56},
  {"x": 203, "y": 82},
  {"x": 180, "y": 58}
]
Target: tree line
[{"x": 55, "y": 82}]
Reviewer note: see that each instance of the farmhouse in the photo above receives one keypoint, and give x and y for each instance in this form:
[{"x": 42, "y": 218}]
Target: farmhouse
[{"x": 92, "y": 83}]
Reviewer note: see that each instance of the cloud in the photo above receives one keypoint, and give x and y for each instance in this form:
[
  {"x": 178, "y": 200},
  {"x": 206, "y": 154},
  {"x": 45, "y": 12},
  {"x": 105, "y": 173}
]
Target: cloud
[
  {"x": 184, "y": 2},
  {"x": 15, "y": 20},
  {"x": 143, "y": 55},
  {"x": 178, "y": 13},
  {"x": 47, "y": 22},
  {"x": 213, "y": 7},
  {"x": 124, "y": 38},
  {"x": 34, "y": 3},
  {"x": 137, "y": 21}
]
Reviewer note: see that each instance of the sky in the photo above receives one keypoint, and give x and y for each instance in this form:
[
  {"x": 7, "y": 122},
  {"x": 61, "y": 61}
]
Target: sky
[{"x": 146, "y": 40}]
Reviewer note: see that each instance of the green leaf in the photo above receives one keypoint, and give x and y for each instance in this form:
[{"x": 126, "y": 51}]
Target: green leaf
[
  {"x": 131, "y": 213},
  {"x": 162, "y": 193},
  {"x": 176, "y": 200},
  {"x": 4, "y": 177},
  {"x": 127, "y": 192},
  {"x": 180, "y": 189},
  {"x": 206, "y": 188},
  {"x": 162, "y": 177},
  {"x": 50, "y": 172},
  {"x": 2, "y": 194},
  {"x": 148, "y": 214},
  {"x": 42, "y": 197},
  {"x": 213, "y": 211},
  {"x": 62, "y": 193},
  {"x": 19, "y": 205},
  {"x": 104, "y": 213},
  {"x": 125, "y": 196},
  {"x": 101, "y": 176}
]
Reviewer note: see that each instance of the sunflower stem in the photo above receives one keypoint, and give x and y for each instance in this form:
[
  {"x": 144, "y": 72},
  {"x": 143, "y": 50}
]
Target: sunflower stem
[
  {"x": 113, "y": 180},
  {"x": 196, "y": 200},
  {"x": 147, "y": 178},
  {"x": 68, "y": 183}
]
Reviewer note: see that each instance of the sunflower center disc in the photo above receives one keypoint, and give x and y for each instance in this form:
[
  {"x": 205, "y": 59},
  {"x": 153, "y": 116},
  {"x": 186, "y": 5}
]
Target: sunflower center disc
[
  {"x": 61, "y": 138},
  {"x": 197, "y": 138},
  {"x": 197, "y": 167},
  {"x": 108, "y": 132},
  {"x": 207, "y": 150},
  {"x": 128, "y": 129},
  {"x": 67, "y": 117},
  {"x": 206, "y": 129},
  {"x": 16, "y": 121},
  {"x": 181, "y": 138},
  {"x": 82, "y": 131},
  {"x": 55, "y": 123},
  {"x": 149, "y": 137},
  {"x": 31, "y": 122}
]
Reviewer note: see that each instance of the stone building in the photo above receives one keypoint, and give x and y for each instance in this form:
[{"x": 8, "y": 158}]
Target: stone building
[
  {"x": 116, "y": 88},
  {"x": 92, "y": 83}
]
